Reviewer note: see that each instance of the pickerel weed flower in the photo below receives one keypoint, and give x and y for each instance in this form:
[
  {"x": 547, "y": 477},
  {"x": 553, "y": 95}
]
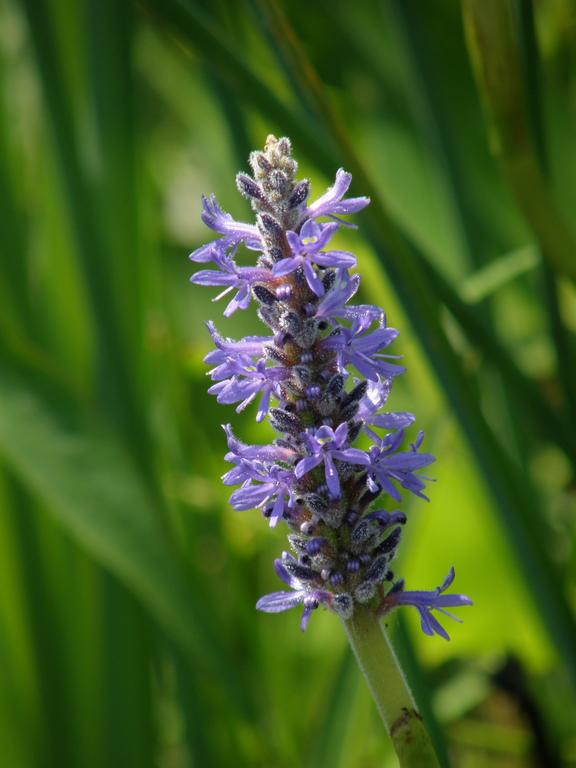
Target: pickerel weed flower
[{"x": 322, "y": 377}]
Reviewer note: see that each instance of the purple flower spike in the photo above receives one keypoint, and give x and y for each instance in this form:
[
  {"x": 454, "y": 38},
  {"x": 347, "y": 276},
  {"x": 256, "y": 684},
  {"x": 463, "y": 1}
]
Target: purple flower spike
[
  {"x": 426, "y": 602},
  {"x": 323, "y": 377}
]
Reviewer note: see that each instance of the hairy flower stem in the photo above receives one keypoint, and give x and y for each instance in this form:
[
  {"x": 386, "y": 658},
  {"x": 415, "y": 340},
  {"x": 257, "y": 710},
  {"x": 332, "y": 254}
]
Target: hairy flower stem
[{"x": 390, "y": 690}]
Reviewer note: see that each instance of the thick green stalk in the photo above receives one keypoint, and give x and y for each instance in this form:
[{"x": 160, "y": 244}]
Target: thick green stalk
[{"x": 390, "y": 690}]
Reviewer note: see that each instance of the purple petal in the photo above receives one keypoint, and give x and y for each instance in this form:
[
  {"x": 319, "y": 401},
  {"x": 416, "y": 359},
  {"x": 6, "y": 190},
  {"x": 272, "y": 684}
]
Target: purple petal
[
  {"x": 331, "y": 473},
  {"x": 276, "y": 602},
  {"x": 251, "y": 496},
  {"x": 397, "y": 420},
  {"x": 306, "y": 618},
  {"x": 331, "y": 201},
  {"x": 294, "y": 242},
  {"x": 341, "y": 434},
  {"x": 448, "y": 580},
  {"x": 311, "y": 230},
  {"x": 286, "y": 577},
  {"x": 431, "y": 625},
  {"x": 407, "y": 460},
  {"x": 325, "y": 434},
  {"x": 278, "y": 510},
  {"x": 453, "y": 600},
  {"x": 220, "y": 221},
  {"x": 285, "y": 266},
  {"x": 240, "y": 301},
  {"x": 312, "y": 279},
  {"x": 210, "y": 251},
  {"x": 264, "y": 406},
  {"x": 341, "y": 259},
  {"x": 353, "y": 456},
  {"x": 324, "y": 233},
  {"x": 214, "y": 277},
  {"x": 363, "y": 364},
  {"x": 306, "y": 465},
  {"x": 334, "y": 302},
  {"x": 332, "y": 195},
  {"x": 389, "y": 487},
  {"x": 352, "y": 205}
]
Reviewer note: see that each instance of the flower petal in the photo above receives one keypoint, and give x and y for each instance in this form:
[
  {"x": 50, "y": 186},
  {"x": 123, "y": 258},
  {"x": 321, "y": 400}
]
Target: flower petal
[
  {"x": 276, "y": 602},
  {"x": 285, "y": 266},
  {"x": 312, "y": 279},
  {"x": 306, "y": 465},
  {"x": 331, "y": 473},
  {"x": 342, "y": 259}
]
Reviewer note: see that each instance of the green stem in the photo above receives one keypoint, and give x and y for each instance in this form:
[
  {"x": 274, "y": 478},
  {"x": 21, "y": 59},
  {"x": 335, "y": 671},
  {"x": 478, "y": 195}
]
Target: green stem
[{"x": 390, "y": 690}]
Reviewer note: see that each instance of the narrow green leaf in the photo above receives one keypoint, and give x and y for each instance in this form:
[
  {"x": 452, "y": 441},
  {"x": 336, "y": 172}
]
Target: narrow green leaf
[
  {"x": 434, "y": 120},
  {"x": 326, "y": 752},
  {"x": 86, "y": 479},
  {"x": 116, "y": 385},
  {"x": 495, "y": 50},
  {"x": 490, "y": 279},
  {"x": 565, "y": 348}
]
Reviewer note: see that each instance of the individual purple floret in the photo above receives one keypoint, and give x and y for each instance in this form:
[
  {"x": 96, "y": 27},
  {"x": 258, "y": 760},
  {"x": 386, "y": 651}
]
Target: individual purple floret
[
  {"x": 355, "y": 346},
  {"x": 220, "y": 221},
  {"x": 426, "y": 602},
  {"x": 332, "y": 202},
  {"x": 324, "y": 445},
  {"x": 241, "y": 279},
  {"x": 302, "y": 593},
  {"x": 307, "y": 249},
  {"x": 323, "y": 379}
]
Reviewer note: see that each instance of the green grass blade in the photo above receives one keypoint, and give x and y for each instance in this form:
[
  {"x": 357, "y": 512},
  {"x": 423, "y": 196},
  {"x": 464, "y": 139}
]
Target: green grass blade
[
  {"x": 327, "y": 751},
  {"x": 495, "y": 51},
  {"x": 86, "y": 479},
  {"x": 115, "y": 379},
  {"x": 490, "y": 279},
  {"x": 565, "y": 348},
  {"x": 192, "y": 25},
  {"x": 434, "y": 121},
  {"x": 51, "y": 673}
]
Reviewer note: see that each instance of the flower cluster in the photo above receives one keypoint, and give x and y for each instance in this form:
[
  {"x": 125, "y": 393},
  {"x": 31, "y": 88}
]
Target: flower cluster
[{"x": 322, "y": 377}]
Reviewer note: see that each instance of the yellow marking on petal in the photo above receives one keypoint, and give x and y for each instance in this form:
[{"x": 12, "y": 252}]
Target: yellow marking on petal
[{"x": 309, "y": 240}]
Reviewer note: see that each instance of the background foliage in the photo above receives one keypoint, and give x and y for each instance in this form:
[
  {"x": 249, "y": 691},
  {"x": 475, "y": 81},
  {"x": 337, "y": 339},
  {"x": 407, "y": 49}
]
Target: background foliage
[{"x": 128, "y": 635}]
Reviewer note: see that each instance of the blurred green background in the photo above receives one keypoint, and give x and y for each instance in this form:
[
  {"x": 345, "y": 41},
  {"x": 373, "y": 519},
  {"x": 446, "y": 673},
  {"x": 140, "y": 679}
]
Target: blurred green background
[{"x": 128, "y": 635}]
